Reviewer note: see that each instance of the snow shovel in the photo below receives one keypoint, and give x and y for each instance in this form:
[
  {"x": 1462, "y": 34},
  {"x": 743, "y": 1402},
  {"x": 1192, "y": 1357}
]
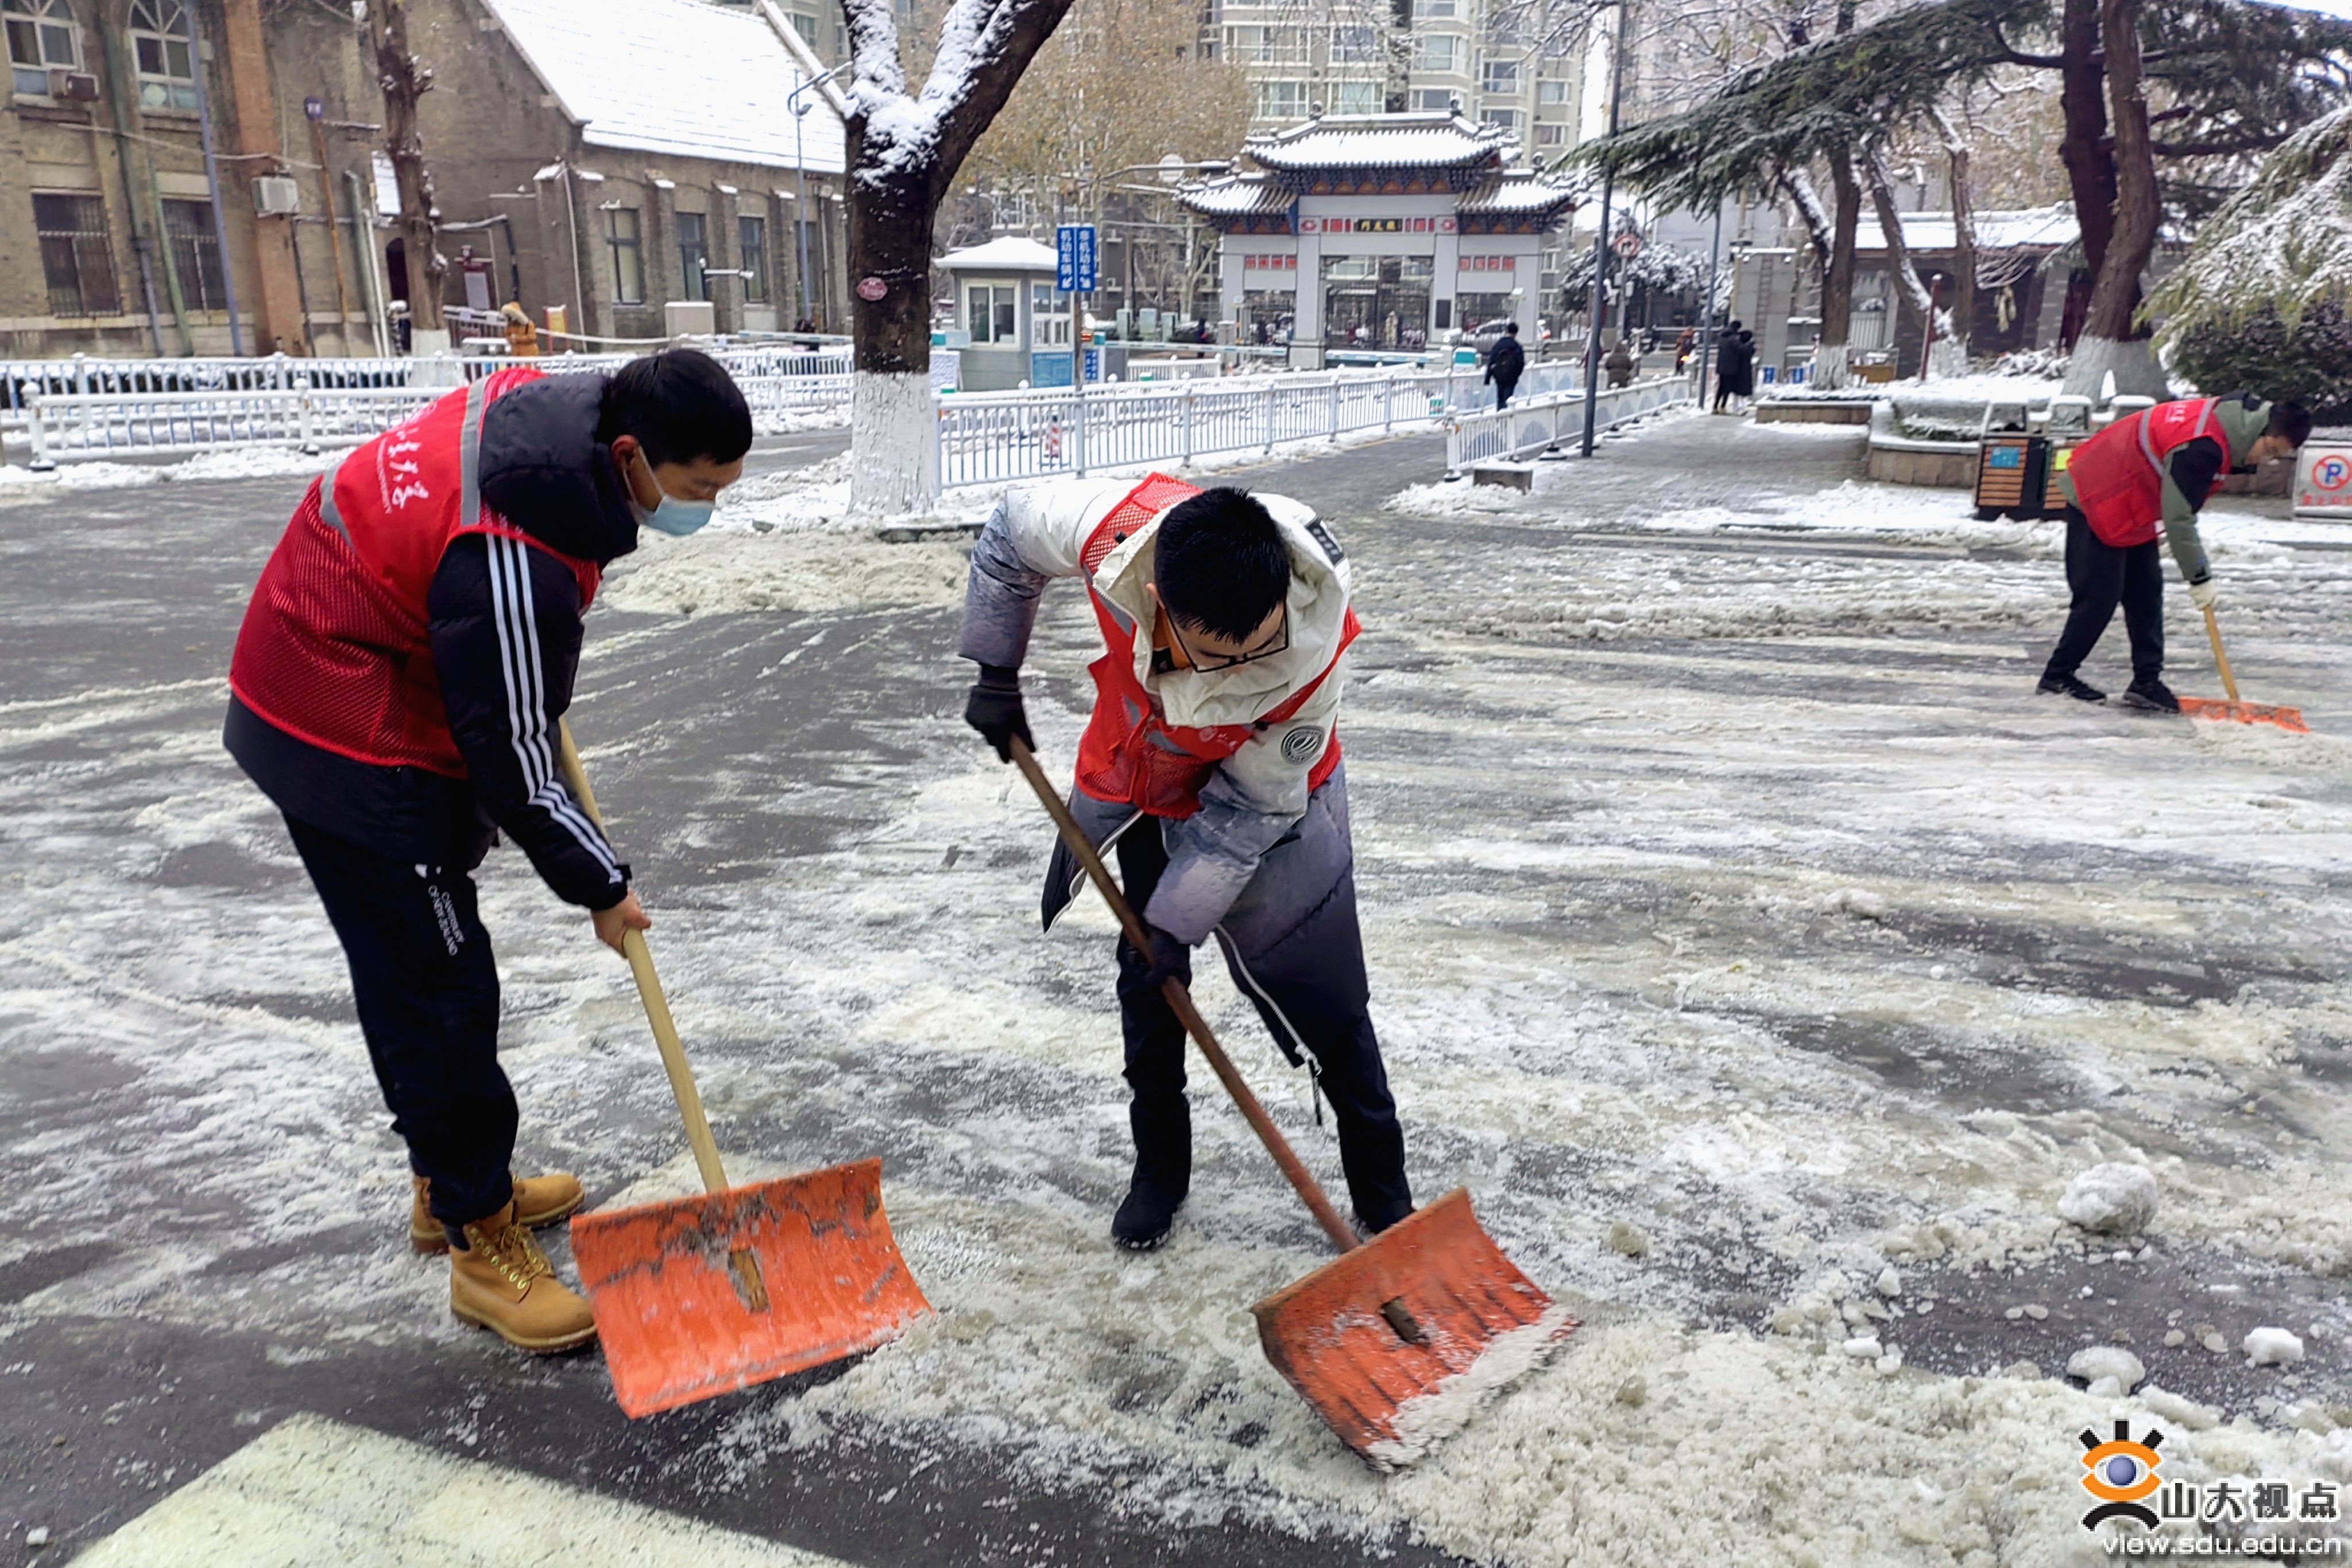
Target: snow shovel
[
  {"x": 1398, "y": 1341},
  {"x": 2245, "y": 712},
  {"x": 701, "y": 1296}
]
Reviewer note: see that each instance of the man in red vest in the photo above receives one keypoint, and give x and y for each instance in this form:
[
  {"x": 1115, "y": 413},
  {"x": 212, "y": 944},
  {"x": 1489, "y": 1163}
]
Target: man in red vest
[
  {"x": 395, "y": 689},
  {"x": 2156, "y": 466},
  {"x": 1212, "y": 762}
]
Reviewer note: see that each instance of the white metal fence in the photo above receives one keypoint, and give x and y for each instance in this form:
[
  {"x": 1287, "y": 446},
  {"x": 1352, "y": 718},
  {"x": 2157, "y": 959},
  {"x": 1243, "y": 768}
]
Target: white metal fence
[
  {"x": 988, "y": 437},
  {"x": 1527, "y": 428}
]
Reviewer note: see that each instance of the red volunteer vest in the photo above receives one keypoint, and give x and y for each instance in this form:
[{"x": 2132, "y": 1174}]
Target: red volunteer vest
[
  {"x": 2118, "y": 474},
  {"x": 336, "y": 648},
  {"x": 1131, "y": 753}
]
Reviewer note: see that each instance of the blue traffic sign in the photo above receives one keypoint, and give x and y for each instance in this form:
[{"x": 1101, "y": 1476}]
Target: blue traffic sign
[{"x": 1074, "y": 250}]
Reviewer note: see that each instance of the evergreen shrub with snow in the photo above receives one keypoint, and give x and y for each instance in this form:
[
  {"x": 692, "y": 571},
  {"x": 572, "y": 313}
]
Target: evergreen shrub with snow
[{"x": 2259, "y": 305}]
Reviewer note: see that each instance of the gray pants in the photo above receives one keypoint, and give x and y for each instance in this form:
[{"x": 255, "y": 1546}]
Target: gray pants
[{"x": 1293, "y": 947}]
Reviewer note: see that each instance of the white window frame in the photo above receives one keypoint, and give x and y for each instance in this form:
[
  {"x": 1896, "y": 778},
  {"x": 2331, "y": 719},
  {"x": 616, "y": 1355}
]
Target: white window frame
[
  {"x": 46, "y": 27},
  {"x": 159, "y": 34}
]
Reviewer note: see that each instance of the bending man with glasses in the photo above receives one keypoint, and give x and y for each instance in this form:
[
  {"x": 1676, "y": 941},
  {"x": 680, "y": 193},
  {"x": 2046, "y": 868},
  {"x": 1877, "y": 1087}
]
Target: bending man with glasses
[{"x": 1212, "y": 761}]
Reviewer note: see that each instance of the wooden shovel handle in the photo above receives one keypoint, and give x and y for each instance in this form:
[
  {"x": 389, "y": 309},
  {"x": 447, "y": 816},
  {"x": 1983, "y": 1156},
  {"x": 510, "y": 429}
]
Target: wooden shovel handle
[
  {"x": 649, "y": 991},
  {"x": 2213, "y": 632},
  {"x": 1181, "y": 1000}
]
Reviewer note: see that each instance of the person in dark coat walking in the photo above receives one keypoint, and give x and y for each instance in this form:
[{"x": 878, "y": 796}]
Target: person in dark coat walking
[
  {"x": 1734, "y": 365},
  {"x": 1506, "y": 361}
]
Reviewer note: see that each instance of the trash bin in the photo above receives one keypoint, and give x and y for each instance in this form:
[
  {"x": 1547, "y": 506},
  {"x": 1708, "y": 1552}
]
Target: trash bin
[{"x": 2011, "y": 479}]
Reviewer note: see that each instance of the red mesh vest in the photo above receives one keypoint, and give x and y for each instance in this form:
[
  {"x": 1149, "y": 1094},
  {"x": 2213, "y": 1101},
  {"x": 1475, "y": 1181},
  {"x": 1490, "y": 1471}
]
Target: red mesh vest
[
  {"x": 2118, "y": 474},
  {"x": 336, "y": 648},
  {"x": 1131, "y": 753}
]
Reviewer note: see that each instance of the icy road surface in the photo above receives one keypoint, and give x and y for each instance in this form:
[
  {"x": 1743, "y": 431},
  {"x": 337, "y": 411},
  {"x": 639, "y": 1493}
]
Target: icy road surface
[{"x": 1748, "y": 938}]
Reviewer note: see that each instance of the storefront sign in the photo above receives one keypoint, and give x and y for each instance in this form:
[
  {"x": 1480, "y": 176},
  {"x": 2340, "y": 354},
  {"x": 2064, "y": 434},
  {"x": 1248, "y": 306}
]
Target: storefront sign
[{"x": 1271, "y": 263}]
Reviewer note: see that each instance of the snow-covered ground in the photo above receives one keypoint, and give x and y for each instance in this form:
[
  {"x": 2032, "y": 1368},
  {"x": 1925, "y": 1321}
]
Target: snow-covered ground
[{"x": 1765, "y": 957}]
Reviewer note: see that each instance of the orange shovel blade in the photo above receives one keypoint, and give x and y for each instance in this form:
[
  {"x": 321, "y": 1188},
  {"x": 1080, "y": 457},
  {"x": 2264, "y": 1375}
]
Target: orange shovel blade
[
  {"x": 2245, "y": 713},
  {"x": 674, "y": 1325},
  {"x": 1399, "y": 1342}
]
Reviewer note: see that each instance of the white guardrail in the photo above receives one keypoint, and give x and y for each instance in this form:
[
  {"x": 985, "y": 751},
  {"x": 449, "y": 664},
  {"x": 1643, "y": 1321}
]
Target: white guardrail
[
  {"x": 359, "y": 398},
  {"x": 1538, "y": 423},
  {"x": 137, "y": 407}
]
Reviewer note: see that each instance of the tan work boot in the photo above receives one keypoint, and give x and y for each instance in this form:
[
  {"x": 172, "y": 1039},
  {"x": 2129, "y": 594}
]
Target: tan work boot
[
  {"x": 538, "y": 1200},
  {"x": 503, "y": 1282}
]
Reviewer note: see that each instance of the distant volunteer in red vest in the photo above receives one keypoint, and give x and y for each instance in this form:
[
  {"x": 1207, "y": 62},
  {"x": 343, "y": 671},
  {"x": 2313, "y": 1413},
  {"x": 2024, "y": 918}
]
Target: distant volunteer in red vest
[
  {"x": 395, "y": 689},
  {"x": 2155, "y": 467},
  {"x": 1212, "y": 760}
]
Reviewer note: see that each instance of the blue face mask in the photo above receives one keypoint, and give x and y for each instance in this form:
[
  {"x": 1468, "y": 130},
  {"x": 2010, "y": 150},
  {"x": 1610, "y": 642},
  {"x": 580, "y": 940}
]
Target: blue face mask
[{"x": 671, "y": 515}]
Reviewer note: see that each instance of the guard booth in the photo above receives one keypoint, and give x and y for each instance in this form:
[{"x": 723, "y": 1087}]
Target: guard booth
[{"x": 1012, "y": 324}]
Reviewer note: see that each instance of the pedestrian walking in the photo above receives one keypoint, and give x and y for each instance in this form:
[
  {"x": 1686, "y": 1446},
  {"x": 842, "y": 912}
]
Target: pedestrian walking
[
  {"x": 1733, "y": 365},
  {"x": 1506, "y": 362},
  {"x": 396, "y": 691},
  {"x": 1620, "y": 363},
  {"x": 1212, "y": 760},
  {"x": 2150, "y": 470},
  {"x": 1684, "y": 346}
]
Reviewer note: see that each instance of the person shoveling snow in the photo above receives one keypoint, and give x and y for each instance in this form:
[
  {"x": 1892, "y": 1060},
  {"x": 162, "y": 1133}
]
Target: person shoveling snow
[
  {"x": 2158, "y": 465},
  {"x": 397, "y": 691},
  {"x": 1213, "y": 759}
]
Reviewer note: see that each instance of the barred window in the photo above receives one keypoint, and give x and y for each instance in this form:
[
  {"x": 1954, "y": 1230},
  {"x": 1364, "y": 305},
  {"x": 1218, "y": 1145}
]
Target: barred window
[
  {"x": 41, "y": 36},
  {"x": 159, "y": 46},
  {"x": 194, "y": 247},
  {"x": 76, "y": 257}
]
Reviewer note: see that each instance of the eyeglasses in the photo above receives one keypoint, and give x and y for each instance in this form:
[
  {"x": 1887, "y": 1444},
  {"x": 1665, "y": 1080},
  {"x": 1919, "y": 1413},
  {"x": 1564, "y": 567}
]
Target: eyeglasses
[{"x": 1280, "y": 644}]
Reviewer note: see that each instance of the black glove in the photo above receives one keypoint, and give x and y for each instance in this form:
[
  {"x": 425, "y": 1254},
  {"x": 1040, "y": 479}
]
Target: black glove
[
  {"x": 1168, "y": 958},
  {"x": 995, "y": 709}
]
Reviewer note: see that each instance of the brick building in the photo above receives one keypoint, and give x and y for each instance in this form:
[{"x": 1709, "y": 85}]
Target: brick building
[{"x": 606, "y": 156}]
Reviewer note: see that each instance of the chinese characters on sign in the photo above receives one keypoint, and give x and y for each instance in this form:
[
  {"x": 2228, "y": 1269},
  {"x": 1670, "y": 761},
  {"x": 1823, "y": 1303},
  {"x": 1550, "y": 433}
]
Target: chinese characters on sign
[{"x": 1075, "y": 258}]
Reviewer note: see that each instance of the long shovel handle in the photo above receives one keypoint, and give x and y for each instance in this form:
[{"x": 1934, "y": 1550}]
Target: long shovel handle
[
  {"x": 1181, "y": 1000},
  {"x": 2213, "y": 631},
  {"x": 649, "y": 991}
]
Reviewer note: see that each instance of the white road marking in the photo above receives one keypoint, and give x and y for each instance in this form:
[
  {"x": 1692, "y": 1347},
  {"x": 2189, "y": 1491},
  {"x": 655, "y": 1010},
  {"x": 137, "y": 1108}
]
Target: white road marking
[{"x": 314, "y": 1491}]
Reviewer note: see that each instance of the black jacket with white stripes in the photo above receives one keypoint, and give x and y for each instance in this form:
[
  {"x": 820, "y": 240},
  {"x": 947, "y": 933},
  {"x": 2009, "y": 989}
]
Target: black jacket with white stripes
[{"x": 505, "y": 630}]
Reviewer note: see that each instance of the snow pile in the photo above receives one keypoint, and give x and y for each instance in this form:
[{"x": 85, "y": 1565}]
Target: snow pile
[
  {"x": 2111, "y": 1199},
  {"x": 714, "y": 572},
  {"x": 2108, "y": 1362},
  {"x": 2273, "y": 1347},
  {"x": 223, "y": 462}
]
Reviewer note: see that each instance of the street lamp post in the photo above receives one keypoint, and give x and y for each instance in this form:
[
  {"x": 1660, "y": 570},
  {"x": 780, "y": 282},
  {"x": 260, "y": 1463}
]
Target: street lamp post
[
  {"x": 796, "y": 100},
  {"x": 1597, "y": 300}
]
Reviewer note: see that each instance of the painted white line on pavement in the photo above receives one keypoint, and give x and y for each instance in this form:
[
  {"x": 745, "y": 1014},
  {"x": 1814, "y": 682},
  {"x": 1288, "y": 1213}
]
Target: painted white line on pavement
[{"x": 315, "y": 1491}]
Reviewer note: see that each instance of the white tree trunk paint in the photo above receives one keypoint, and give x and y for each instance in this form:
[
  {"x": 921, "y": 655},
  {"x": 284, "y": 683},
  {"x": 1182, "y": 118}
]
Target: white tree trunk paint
[
  {"x": 1832, "y": 368},
  {"x": 2133, "y": 361},
  {"x": 894, "y": 443},
  {"x": 1949, "y": 356}
]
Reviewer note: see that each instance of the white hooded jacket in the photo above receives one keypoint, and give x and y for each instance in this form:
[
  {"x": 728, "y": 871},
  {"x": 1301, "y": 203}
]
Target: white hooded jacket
[{"x": 1260, "y": 792}]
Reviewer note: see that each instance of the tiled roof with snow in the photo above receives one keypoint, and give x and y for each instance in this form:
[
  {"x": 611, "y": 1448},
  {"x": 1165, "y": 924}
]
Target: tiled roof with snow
[
  {"x": 1008, "y": 253},
  {"x": 1430, "y": 141},
  {"x": 678, "y": 76},
  {"x": 1236, "y": 197},
  {"x": 1518, "y": 192}
]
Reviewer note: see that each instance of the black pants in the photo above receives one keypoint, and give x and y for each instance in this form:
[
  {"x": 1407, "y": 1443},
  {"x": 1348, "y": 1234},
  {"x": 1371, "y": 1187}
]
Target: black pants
[
  {"x": 2103, "y": 576},
  {"x": 1503, "y": 390},
  {"x": 427, "y": 991},
  {"x": 1311, "y": 987}
]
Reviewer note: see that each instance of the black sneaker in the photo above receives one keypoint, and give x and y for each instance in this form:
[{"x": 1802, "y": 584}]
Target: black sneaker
[
  {"x": 1145, "y": 1217},
  {"x": 2071, "y": 686},
  {"x": 2152, "y": 694}
]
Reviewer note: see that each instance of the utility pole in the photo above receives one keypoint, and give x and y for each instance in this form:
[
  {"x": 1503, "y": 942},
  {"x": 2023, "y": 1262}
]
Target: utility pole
[{"x": 1597, "y": 300}]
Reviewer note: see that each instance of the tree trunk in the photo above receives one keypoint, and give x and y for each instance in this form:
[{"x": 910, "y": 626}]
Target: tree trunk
[
  {"x": 1396, "y": 95},
  {"x": 1832, "y": 361},
  {"x": 1898, "y": 261},
  {"x": 2113, "y": 340},
  {"x": 904, "y": 151},
  {"x": 890, "y": 239},
  {"x": 2083, "y": 103},
  {"x": 1964, "y": 243},
  {"x": 404, "y": 79}
]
